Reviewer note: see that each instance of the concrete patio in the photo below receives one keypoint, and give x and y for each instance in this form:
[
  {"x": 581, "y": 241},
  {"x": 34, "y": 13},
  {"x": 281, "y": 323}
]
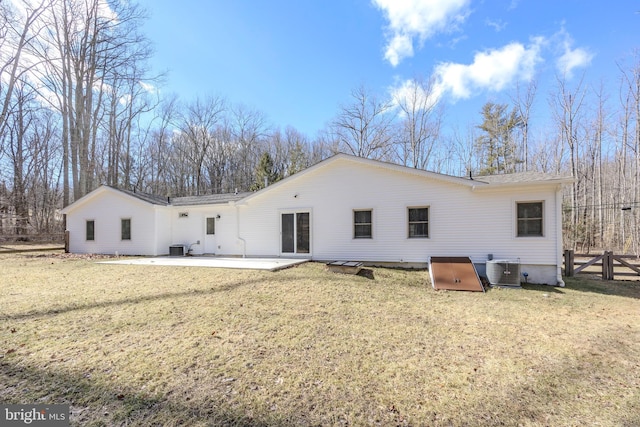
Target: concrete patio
[{"x": 270, "y": 264}]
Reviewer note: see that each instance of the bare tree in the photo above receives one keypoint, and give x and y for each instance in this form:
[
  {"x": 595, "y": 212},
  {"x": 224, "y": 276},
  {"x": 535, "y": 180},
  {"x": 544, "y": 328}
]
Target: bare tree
[
  {"x": 32, "y": 157},
  {"x": 523, "y": 101},
  {"x": 420, "y": 122},
  {"x": 629, "y": 152},
  {"x": 17, "y": 34},
  {"x": 249, "y": 130},
  {"x": 363, "y": 127},
  {"x": 198, "y": 125},
  {"x": 91, "y": 46},
  {"x": 567, "y": 110}
]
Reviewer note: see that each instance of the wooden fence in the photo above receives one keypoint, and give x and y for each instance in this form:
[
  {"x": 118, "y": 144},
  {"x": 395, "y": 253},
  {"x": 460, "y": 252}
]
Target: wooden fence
[
  {"x": 611, "y": 265},
  {"x": 32, "y": 238}
]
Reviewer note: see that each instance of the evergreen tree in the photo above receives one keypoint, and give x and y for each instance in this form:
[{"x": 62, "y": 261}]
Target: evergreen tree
[
  {"x": 496, "y": 145},
  {"x": 265, "y": 173}
]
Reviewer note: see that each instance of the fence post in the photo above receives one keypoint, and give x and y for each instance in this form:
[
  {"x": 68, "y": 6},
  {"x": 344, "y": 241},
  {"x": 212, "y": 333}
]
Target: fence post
[
  {"x": 568, "y": 263},
  {"x": 607, "y": 266},
  {"x": 66, "y": 241},
  {"x": 611, "y": 272}
]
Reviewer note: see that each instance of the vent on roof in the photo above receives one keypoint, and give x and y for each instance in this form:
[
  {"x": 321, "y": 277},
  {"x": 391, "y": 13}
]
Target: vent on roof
[{"x": 503, "y": 272}]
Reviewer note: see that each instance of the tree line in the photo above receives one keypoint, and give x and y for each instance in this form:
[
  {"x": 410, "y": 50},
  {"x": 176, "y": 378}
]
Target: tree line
[{"x": 79, "y": 107}]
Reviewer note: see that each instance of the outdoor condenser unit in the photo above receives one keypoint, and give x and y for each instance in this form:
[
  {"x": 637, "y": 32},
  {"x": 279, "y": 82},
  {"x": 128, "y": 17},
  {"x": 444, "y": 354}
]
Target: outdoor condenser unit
[
  {"x": 503, "y": 272},
  {"x": 176, "y": 250}
]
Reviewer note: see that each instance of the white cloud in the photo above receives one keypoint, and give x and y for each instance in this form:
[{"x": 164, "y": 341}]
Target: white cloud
[
  {"x": 409, "y": 19},
  {"x": 492, "y": 70},
  {"x": 148, "y": 87},
  {"x": 497, "y": 25},
  {"x": 571, "y": 58},
  {"x": 413, "y": 92}
]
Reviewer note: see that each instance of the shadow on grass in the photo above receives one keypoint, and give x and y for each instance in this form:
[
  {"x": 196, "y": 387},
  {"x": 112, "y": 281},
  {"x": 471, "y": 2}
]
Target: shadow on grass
[
  {"x": 366, "y": 273},
  {"x": 53, "y": 311},
  {"x": 543, "y": 288},
  {"x": 92, "y": 403},
  {"x": 619, "y": 288}
]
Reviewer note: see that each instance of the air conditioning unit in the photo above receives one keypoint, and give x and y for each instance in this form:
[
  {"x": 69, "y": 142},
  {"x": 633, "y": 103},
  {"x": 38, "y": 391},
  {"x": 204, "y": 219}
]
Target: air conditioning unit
[{"x": 503, "y": 272}]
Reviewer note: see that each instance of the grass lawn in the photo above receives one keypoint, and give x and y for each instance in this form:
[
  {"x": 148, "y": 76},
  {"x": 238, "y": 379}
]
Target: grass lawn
[{"x": 151, "y": 345}]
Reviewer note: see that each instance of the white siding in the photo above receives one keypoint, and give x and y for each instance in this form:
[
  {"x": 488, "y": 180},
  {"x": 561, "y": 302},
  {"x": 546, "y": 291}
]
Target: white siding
[
  {"x": 462, "y": 222},
  {"x": 192, "y": 229},
  {"x": 162, "y": 230},
  {"x": 107, "y": 208}
]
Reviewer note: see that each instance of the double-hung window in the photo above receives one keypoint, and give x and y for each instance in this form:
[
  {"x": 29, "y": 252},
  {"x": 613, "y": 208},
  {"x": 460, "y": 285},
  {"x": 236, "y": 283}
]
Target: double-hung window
[
  {"x": 125, "y": 229},
  {"x": 90, "y": 233},
  {"x": 529, "y": 219},
  {"x": 419, "y": 222},
  {"x": 362, "y": 224}
]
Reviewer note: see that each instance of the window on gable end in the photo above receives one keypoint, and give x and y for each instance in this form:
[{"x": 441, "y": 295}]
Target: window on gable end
[
  {"x": 90, "y": 233},
  {"x": 125, "y": 229}
]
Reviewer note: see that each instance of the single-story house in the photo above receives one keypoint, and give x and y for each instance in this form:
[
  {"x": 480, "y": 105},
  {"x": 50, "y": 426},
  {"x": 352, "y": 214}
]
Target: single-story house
[{"x": 342, "y": 208}]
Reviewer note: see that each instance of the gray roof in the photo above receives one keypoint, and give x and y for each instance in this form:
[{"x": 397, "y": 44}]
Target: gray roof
[
  {"x": 208, "y": 199},
  {"x": 521, "y": 178},
  {"x": 145, "y": 197},
  {"x": 488, "y": 180}
]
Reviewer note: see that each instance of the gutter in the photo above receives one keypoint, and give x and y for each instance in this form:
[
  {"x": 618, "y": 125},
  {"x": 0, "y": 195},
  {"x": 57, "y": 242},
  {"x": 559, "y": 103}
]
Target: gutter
[{"x": 494, "y": 186}]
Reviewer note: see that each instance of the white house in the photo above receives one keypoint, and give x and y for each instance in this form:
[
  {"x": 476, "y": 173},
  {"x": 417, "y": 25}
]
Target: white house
[{"x": 343, "y": 208}]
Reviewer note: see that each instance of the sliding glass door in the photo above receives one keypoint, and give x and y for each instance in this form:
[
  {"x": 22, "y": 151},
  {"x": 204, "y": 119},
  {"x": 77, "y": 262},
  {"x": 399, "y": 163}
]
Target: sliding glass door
[{"x": 296, "y": 233}]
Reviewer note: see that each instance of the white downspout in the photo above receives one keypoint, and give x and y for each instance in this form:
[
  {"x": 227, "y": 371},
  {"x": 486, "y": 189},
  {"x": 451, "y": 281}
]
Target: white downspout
[
  {"x": 244, "y": 243},
  {"x": 560, "y": 282}
]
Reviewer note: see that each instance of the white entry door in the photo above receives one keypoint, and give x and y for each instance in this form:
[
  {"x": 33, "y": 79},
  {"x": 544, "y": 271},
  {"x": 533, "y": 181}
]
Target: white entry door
[{"x": 210, "y": 245}]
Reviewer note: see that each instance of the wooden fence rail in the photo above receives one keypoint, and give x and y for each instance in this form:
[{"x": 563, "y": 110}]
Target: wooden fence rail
[{"x": 611, "y": 265}]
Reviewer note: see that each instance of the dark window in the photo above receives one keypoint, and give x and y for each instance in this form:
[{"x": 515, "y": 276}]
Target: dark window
[
  {"x": 288, "y": 240},
  {"x": 302, "y": 233},
  {"x": 418, "y": 222},
  {"x": 296, "y": 233},
  {"x": 362, "y": 228},
  {"x": 125, "y": 229},
  {"x": 211, "y": 226},
  {"x": 90, "y": 234},
  {"x": 529, "y": 219}
]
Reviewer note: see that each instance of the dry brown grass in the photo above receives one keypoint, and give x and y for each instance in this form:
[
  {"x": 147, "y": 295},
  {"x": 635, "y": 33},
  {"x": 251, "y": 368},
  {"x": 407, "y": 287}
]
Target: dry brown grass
[{"x": 151, "y": 345}]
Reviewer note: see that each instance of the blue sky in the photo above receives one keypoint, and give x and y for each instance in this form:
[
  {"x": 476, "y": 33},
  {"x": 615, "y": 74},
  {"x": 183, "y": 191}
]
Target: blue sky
[{"x": 298, "y": 60}]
